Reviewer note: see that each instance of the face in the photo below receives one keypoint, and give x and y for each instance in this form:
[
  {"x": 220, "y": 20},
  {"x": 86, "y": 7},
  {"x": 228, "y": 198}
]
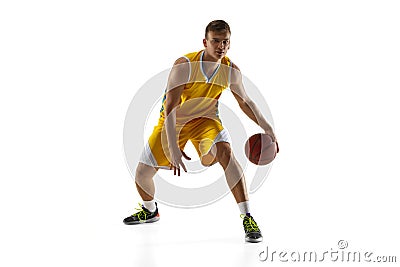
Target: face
[{"x": 217, "y": 44}]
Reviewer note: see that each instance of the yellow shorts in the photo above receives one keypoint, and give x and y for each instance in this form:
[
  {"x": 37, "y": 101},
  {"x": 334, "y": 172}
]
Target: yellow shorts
[{"x": 202, "y": 132}]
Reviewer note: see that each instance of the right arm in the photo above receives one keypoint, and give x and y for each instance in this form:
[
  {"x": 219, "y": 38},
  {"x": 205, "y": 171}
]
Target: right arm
[{"x": 177, "y": 79}]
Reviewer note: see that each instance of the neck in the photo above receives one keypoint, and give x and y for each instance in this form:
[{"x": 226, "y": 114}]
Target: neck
[{"x": 207, "y": 57}]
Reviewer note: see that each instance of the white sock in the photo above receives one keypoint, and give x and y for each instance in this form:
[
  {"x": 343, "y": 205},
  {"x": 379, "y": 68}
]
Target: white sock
[
  {"x": 150, "y": 205},
  {"x": 244, "y": 207}
]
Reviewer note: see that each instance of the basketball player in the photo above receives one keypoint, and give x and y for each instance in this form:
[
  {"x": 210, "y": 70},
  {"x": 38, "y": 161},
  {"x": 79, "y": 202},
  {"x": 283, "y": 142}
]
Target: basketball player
[{"x": 190, "y": 112}]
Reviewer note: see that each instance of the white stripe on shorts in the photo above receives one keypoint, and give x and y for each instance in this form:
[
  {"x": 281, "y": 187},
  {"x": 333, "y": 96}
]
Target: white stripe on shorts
[{"x": 147, "y": 156}]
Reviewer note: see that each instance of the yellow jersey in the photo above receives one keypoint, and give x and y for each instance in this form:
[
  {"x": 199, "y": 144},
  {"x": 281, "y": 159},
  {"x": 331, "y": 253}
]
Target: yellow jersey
[{"x": 201, "y": 92}]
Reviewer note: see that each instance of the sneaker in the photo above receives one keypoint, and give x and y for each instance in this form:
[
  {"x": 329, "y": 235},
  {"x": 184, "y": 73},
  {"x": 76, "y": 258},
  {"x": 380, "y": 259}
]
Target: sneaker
[
  {"x": 143, "y": 216},
  {"x": 252, "y": 232}
]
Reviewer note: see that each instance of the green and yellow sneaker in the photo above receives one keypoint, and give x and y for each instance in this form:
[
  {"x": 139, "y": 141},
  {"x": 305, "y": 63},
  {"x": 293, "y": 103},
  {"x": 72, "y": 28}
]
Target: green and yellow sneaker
[
  {"x": 252, "y": 232},
  {"x": 143, "y": 216}
]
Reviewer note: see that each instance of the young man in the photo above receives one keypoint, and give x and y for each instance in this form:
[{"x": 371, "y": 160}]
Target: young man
[{"x": 190, "y": 112}]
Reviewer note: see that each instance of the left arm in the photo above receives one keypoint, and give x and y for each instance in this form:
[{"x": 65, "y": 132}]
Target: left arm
[{"x": 246, "y": 104}]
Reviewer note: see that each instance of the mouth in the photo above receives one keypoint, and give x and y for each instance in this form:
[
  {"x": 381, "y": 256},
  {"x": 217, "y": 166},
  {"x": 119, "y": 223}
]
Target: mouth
[{"x": 219, "y": 53}]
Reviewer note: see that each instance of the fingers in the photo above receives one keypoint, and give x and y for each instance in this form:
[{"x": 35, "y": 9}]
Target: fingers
[
  {"x": 180, "y": 163},
  {"x": 177, "y": 168},
  {"x": 176, "y": 164},
  {"x": 183, "y": 166},
  {"x": 185, "y": 156},
  {"x": 271, "y": 134},
  {"x": 273, "y": 137}
]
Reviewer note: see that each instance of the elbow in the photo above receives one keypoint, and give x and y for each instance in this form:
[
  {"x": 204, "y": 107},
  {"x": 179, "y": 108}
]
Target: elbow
[
  {"x": 169, "y": 107},
  {"x": 167, "y": 110}
]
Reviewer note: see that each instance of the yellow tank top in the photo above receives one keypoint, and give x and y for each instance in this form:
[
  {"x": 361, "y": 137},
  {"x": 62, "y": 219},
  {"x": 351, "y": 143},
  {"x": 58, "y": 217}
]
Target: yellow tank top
[{"x": 201, "y": 93}]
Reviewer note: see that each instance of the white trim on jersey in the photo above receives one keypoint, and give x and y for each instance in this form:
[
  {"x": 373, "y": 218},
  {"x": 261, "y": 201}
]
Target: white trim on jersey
[
  {"x": 190, "y": 68},
  {"x": 202, "y": 70},
  {"x": 230, "y": 73}
]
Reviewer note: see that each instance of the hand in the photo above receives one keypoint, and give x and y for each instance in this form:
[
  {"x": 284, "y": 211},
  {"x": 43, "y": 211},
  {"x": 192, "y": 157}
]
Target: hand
[
  {"x": 271, "y": 133},
  {"x": 176, "y": 161}
]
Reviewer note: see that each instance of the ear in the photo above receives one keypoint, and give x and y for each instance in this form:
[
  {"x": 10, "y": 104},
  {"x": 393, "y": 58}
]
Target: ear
[{"x": 205, "y": 42}]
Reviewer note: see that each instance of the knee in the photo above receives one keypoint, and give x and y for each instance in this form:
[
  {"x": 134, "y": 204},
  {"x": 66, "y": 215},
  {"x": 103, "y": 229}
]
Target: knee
[
  {"x": 208, "y": 160},
  {"x": 143, "y": 172},
  {"x": 139, "y": 171}
]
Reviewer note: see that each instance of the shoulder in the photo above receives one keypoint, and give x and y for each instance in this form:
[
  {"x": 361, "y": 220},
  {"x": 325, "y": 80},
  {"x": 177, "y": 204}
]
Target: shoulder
[
  {"x": 236, "y": 75},
  {"x": 234, "y": 66},
  {"x": 193, "y": 56},
  {"x": 180, "y": 71},
  {"x": 181, "y": 60}
]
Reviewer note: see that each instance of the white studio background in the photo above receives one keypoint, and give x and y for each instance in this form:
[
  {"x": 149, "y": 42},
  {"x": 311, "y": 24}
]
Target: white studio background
[{"x": 329, "y": 71}]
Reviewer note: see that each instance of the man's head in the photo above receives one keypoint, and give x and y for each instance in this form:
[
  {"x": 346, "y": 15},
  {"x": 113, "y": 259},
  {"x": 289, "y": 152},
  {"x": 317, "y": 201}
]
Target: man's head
[{"x": 217, "y": 39}]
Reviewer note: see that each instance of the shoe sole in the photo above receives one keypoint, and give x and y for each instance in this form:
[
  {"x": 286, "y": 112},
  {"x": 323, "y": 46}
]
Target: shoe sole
[
  {"x": 251, "y": 240},
  {"x": 143, "y": 221}
]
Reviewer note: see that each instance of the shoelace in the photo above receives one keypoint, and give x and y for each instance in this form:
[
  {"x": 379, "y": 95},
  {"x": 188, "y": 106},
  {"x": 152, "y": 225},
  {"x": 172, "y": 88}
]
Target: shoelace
[
  {"x": 249, "y": 223},
  {"x": 141, "y": 213}
]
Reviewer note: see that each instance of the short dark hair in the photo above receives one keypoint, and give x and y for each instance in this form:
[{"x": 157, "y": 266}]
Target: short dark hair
[{"x": 217, "y": 26}]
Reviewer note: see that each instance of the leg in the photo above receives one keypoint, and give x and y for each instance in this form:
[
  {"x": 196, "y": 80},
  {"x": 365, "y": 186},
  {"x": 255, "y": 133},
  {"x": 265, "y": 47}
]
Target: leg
[
  {"x": 153, "y": 155},
  {"x": 233, "y": 172},
  {"x": 145, "y": 186},
  {"x": 235, "y": 178},
  {"x": 221, "y": 152},
  {"x": 144, "y": 181}
]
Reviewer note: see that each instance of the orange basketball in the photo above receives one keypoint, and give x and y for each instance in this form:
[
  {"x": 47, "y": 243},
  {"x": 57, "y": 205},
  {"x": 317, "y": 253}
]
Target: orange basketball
[{"x": 260, "y": 149}]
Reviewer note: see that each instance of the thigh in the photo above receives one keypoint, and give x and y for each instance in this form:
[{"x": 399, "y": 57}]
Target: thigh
[{"x": 156, "y": 152}]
